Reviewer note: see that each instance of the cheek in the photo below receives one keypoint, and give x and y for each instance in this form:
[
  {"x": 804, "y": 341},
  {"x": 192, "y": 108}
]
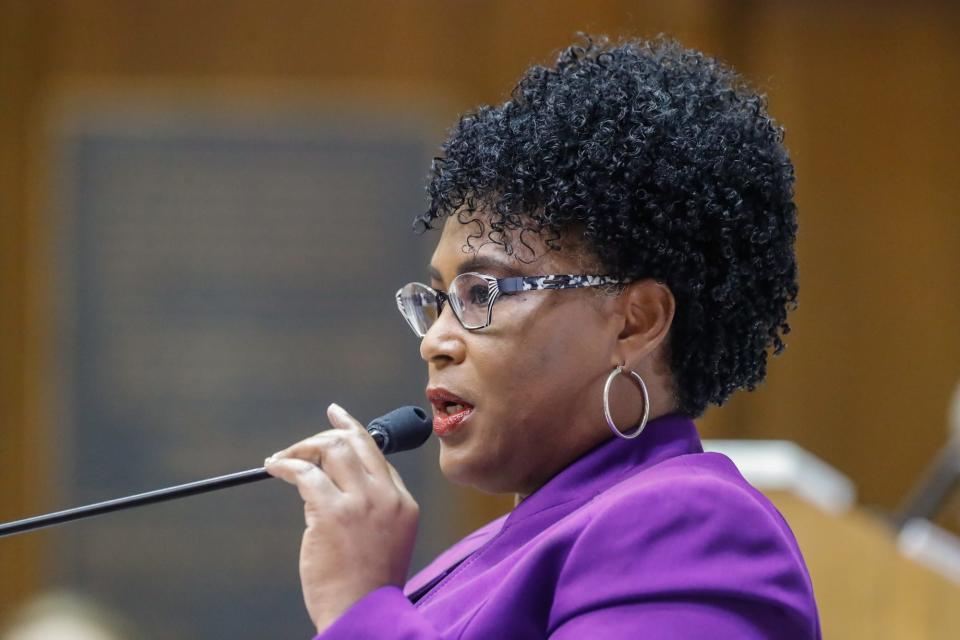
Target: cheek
[
  {"x": 565, "y": 335},
  {"x": 520, "y": 363},
  {"x": 547, "y": 364}
]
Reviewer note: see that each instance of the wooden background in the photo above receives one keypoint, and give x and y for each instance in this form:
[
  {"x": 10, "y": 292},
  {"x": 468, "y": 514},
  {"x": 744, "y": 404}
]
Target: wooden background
[{"x": 867, "y": 92}]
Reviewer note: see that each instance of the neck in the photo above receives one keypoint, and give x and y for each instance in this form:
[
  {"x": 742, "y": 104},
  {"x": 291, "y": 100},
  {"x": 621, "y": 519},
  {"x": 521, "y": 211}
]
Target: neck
[{"x": 659, "y": 407}]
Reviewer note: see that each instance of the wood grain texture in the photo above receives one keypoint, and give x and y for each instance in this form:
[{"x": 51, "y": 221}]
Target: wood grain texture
[
  {"x": 864, "y": 587},
  {"x": 867, "y": 92},
  {"x": 21, "y": 441}
]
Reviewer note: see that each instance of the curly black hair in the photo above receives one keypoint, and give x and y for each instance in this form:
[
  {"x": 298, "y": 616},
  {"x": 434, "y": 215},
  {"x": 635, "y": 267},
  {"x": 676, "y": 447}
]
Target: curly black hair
[{"x": 669, "y": 163}]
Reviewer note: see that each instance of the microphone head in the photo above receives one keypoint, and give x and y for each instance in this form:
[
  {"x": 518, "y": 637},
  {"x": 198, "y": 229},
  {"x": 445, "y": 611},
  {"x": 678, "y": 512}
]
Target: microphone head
[{"x": 402, "y": 429}]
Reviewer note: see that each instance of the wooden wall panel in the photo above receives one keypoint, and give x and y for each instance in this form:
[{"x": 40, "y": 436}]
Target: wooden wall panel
[
  {"x": 866, "y": 97},
  {"x": 21, "y": 443},
  {"x": 865, "y": 587},
  {"x": 866, "y": 90}
]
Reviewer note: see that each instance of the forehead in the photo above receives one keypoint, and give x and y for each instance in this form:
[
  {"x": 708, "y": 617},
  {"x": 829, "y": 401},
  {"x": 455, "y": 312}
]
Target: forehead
[{"x": 467, "y": 244}]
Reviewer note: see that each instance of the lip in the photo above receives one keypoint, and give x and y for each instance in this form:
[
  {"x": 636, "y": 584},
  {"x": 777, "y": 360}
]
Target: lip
[{"x": 443, "y": 423}]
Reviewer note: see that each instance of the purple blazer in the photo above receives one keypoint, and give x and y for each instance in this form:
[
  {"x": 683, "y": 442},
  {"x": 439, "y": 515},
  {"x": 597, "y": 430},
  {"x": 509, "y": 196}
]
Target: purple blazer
[{"x": 645, "y": 538}]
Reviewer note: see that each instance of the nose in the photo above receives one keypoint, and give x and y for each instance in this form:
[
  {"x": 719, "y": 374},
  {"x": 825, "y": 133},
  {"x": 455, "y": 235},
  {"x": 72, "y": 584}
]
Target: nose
[{"x": 444, "y": 343}]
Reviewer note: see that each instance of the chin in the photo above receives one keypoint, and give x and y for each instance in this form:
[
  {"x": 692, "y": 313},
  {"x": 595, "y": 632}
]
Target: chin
[{"x": 460, "y": 468}]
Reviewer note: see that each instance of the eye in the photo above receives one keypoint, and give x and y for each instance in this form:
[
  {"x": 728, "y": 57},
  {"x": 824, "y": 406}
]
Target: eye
[{"x": 478, "y": 294}]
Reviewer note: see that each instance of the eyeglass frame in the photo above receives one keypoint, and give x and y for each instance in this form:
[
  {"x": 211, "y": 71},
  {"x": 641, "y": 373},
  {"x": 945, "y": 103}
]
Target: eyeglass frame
[{"x": 509, "y": 286}]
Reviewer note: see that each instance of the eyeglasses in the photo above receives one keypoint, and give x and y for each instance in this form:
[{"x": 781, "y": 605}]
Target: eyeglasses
[{"x": 471, "y": 296}]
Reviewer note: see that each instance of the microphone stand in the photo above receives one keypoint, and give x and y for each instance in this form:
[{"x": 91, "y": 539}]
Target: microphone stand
[
  {"x": 402, "y": 429},
  {"x": 150, "y": 497}
]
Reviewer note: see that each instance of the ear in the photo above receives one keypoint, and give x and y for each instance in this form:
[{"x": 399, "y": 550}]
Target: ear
[{"x": 647, "y": 308}]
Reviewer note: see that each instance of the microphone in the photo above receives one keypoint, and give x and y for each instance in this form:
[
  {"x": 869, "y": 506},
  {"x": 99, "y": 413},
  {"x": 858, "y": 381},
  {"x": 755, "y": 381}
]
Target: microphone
[
  {"x": 939, "y": 479},
  {"x": 402, "y": 429}
]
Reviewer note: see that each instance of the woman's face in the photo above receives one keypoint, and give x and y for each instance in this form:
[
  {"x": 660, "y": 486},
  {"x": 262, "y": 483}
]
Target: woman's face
[{"x": 532, "y": 380}]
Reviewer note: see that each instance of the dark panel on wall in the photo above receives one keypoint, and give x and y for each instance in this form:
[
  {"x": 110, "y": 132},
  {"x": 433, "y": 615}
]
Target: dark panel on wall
[{"x": 228, "y": 282}]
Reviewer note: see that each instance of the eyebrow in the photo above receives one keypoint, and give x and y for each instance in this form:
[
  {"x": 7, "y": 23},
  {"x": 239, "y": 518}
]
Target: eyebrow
[{"x": 479, "y": 264}]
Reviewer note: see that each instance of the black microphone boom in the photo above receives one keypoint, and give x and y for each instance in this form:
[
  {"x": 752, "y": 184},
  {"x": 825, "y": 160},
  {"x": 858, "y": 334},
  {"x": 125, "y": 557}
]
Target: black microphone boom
[{"x": 400, "y": 430}]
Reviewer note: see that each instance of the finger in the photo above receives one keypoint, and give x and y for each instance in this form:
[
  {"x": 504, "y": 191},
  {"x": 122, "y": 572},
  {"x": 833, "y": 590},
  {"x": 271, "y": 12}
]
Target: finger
[
  {"x": 397, "y": 480},
  {"x": 346, "y": 428},
  {"x": 340, "y": 460},
  {"x": 309, "y": 448},
  {"x": 335, "y": 452},
  {"x": 373, "y": 459},
  {"x": 340, "y": 418},
  {"x": 312, "y": 483}
]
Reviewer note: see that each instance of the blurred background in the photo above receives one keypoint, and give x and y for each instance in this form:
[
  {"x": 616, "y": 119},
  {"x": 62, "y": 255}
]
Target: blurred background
[{"x": 205, "y": 209}]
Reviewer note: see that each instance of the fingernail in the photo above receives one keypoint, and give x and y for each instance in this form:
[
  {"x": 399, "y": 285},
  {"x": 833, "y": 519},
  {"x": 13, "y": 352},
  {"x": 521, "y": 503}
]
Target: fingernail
[{"x": 340, "y": 410}]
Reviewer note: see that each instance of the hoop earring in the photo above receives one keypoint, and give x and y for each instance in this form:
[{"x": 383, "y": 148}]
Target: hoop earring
[{"x": 606, "y": 403}]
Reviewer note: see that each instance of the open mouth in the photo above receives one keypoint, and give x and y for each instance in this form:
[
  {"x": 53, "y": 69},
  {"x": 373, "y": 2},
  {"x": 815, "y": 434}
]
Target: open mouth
[
  {"x": 452, "y": 408},
  {"x": 449, "y": 410}
]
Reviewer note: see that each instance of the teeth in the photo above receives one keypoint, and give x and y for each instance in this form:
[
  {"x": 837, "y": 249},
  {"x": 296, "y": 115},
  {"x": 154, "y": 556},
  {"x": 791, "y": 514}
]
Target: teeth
[{"x": 454, "y": 408}]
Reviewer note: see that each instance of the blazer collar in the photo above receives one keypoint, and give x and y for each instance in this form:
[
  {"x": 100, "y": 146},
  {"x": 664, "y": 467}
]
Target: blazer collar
[
  {"x": 608, "y": 463},
  {"x": 591, "y": 474}
]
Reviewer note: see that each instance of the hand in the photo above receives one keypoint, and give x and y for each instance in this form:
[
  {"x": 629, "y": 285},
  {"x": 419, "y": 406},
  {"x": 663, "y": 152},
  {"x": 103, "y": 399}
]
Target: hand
[{"x": 361, "y": 520}]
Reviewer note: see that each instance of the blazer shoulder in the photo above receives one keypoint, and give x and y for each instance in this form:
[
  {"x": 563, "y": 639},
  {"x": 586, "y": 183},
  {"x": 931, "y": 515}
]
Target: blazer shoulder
[
  {"x": 697, "y": 513},
  {"x": 692, "y": 486},
  {"x": 688, "y": 529}
]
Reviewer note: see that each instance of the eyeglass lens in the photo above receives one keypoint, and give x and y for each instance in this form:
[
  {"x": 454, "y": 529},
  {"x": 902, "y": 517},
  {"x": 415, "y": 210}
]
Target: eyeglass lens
[
  {"x": 469, "y": 296},
  {"x": 418, "y": 303}
]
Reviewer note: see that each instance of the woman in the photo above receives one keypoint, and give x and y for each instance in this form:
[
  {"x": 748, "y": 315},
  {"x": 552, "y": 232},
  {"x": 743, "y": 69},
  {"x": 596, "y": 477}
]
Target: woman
[{"x": 617, "y": 253}]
